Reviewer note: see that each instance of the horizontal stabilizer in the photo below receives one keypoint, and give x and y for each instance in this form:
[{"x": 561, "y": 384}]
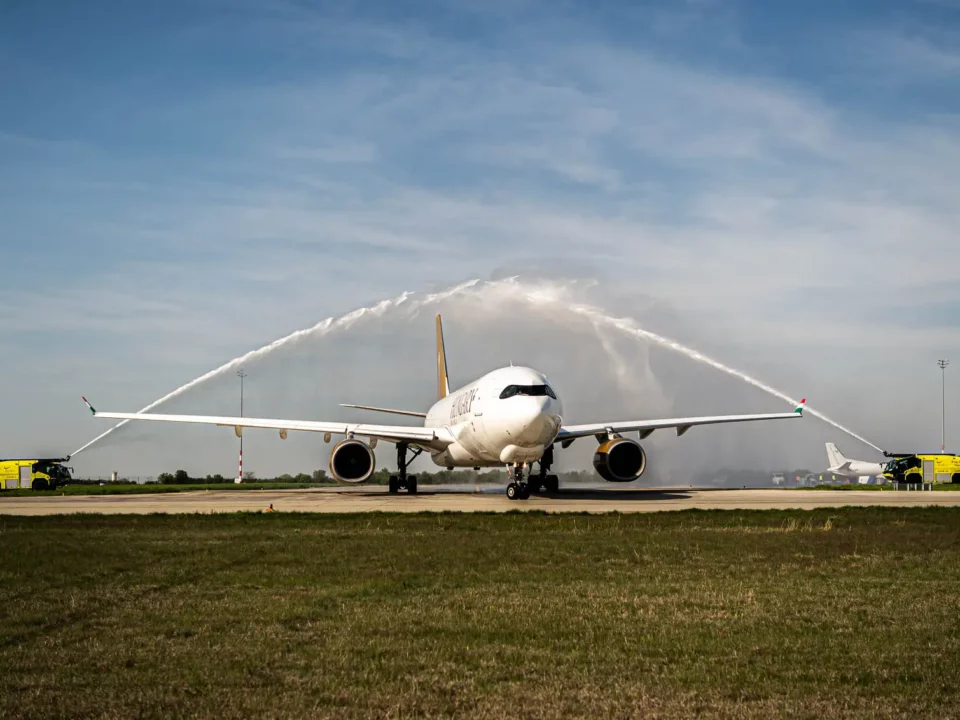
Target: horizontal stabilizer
[{"x": 410, "y": 413}]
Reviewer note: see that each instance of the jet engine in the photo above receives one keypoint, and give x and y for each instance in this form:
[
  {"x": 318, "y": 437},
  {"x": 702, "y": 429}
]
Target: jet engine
[
  {"x": 620, "y": 460},
  {"x": 352, "y": 461}
]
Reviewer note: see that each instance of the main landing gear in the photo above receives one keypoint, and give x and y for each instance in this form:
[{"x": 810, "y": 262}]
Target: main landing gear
[{"x": 402, "y": 480}]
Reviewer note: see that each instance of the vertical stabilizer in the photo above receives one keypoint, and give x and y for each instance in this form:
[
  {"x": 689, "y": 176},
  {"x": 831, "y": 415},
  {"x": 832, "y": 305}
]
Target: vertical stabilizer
[
  {"x": 835, "y": 457},
  {"x": 443, "y": 384}
]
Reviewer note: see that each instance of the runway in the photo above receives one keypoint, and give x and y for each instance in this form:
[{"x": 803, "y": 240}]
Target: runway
[{"x": 467, "y": 499}]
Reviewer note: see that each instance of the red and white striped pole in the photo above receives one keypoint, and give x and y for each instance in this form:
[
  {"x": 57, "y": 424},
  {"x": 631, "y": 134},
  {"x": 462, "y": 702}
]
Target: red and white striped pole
[{"x": 240, "y": 469}]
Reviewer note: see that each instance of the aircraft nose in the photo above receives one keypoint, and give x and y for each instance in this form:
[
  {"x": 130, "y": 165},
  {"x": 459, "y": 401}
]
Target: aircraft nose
[
  {"x": 534, "y": 407},
  {"x": 534, "y": 421}
]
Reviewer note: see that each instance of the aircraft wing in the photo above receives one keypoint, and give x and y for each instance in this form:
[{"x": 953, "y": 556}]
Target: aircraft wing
[
  {"x": 437, "y": 438},
  {"x": 569, "y": 433}
]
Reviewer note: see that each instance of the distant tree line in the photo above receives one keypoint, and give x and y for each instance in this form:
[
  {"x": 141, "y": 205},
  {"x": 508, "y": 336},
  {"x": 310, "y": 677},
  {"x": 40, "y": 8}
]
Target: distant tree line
[{"x": 182, "y": 477}]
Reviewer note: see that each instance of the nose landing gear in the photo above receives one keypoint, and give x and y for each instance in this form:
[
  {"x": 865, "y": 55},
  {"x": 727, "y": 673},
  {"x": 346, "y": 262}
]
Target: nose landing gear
[
  {"x": 520, "y": 490},
  {"x": 402, "y": 480},
  {"x": 517, "y": 489}
]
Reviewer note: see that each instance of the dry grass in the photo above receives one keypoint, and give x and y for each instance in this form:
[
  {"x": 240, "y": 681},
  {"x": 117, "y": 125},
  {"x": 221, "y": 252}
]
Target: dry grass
[{"x": 834, "y": 613}]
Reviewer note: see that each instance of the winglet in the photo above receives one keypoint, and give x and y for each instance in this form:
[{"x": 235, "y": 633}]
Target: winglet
[
  {"x": 799, "y": 408},
  {"x": 92, "y": 409}
]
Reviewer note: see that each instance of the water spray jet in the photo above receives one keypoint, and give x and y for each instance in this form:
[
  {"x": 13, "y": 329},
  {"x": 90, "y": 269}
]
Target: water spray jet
[{"x": 512, "y": 288}]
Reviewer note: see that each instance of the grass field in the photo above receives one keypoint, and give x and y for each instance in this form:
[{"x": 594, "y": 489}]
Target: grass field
[{"x": 829, "y": 613}]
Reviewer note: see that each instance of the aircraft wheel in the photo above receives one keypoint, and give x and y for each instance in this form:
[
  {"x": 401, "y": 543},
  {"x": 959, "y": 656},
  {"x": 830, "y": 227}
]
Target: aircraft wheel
[
  {"x": 513, "y": 491},
  {"x": 552, "y": 483},
  {"x": 524, "y": 491},
  {"x": 394, "y": 484},
  {"x": 412, "y": 484}
]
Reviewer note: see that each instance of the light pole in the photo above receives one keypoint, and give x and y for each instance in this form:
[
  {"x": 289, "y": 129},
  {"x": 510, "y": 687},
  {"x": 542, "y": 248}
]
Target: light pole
[
  {"x": 943, "y": 404},
  {"x": 241, "y": 374}
]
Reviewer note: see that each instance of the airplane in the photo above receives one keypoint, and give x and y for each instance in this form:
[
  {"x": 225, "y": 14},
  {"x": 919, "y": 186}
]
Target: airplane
[
  {"x": 510, "y": 417},
  {"x": 859, "y": 469}
]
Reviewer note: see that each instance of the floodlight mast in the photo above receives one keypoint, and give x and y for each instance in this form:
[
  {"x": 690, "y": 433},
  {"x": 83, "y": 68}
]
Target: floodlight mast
[
  {"x": 241, "y": 374},
  {"x": 943, "y": 404}
]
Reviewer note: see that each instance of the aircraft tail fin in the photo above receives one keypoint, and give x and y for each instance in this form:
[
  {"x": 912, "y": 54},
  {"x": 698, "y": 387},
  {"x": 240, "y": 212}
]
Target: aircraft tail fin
[
  {"x": 835, "y": 457},
  {"x": 443, "y": 383}
]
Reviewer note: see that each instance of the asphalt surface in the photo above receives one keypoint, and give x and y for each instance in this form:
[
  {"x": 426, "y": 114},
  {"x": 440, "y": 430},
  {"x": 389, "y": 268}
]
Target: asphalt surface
[{"x": 467, "y": 499}]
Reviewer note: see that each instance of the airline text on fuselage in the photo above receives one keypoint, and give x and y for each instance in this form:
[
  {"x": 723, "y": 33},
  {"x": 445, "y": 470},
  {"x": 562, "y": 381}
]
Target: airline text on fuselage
[{"x": 462, "y": 405}]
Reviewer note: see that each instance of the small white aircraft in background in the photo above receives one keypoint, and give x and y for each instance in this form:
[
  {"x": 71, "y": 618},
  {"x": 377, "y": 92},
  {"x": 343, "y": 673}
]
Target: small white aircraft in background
[
  {"x": 858, "y": 469},
  {"x": 511, "y": 416}
]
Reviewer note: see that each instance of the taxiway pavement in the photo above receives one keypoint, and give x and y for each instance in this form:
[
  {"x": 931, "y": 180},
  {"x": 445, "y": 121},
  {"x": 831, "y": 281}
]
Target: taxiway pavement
[{"x": 467, "y": 499}]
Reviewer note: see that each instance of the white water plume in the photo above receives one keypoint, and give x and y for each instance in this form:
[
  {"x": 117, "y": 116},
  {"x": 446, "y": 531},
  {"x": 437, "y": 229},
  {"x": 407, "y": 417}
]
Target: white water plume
[
  {"x": 629, "y": 326},
  {"x": 321, "y": 328},
  {"x": 551, "y": 297}
]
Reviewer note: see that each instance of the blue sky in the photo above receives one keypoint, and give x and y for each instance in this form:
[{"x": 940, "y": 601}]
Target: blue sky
[{"x": 184, "y": 181}]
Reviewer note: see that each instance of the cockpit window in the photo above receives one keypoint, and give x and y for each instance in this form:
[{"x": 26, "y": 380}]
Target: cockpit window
[{"x": 535, "y": 390}]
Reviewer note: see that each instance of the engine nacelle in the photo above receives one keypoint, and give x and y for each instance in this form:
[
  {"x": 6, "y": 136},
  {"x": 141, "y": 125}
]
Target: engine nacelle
[
  {"x": 352, "y": 461},
  {"x": 620, "y": 460}
]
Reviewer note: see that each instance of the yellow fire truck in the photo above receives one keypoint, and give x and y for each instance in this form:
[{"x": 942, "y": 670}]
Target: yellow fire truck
[
  {"x": 38, "y": 474},
  {"x": 922, "y": 468}
]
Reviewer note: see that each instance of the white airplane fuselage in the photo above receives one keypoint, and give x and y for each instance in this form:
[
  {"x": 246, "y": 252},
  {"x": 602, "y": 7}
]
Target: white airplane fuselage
[
  {"x": 845, "y": 467},
  {"x": 493, "y": 431},
  {"x": 857, "y": 469}
]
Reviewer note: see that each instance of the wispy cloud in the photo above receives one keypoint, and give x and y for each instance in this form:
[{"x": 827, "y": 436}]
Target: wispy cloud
[
  {"x": 914, "y": 55},
  {"x": 335, "y": 152}
]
